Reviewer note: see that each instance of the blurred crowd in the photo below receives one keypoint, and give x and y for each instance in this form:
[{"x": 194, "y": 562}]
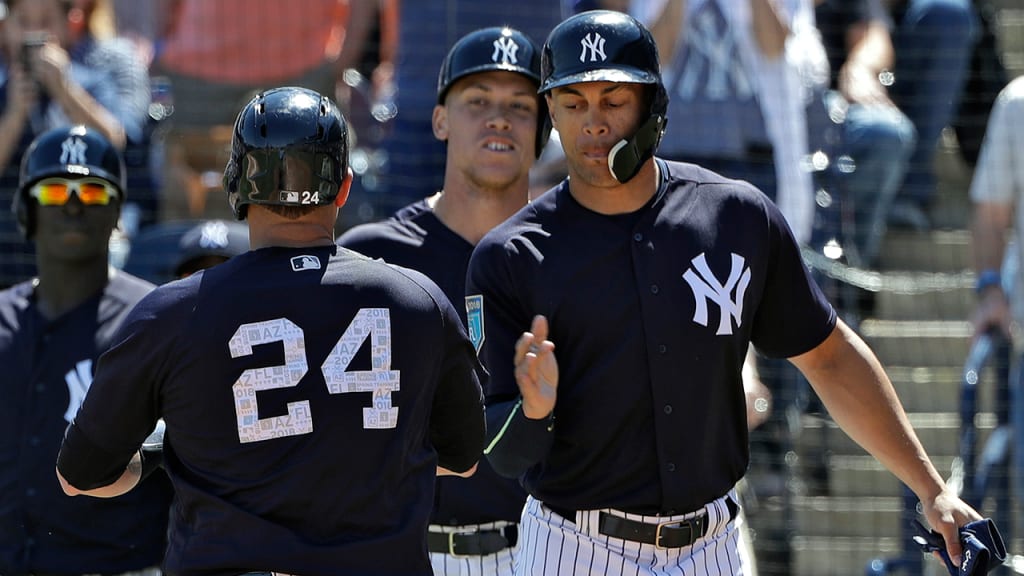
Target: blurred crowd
[{"x": 834, "y": 109}]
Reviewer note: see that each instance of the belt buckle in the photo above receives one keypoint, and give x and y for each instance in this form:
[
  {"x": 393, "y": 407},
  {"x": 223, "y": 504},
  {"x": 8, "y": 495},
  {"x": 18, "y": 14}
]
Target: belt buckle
[
  {"x": 696, "y": 524},
  {"x": 451, "y": 544}
]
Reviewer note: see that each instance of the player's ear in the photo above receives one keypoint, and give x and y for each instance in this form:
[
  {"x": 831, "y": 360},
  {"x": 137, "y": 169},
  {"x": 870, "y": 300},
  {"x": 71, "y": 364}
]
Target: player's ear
[
  {"x": 439, "y": 121},
  {"x": 343, "y": 190}
]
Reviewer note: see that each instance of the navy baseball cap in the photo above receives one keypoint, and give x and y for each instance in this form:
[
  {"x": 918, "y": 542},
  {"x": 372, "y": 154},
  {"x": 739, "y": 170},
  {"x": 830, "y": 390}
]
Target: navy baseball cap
[{"x": 212, "y": 238}]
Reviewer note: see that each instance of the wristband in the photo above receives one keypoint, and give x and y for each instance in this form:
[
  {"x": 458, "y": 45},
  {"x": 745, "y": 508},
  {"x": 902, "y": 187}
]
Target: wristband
[{"x": 988, "y": 278}]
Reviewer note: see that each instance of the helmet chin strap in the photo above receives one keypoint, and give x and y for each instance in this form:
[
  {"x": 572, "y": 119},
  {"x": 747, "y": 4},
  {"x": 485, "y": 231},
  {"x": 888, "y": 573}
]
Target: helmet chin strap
[{"x": 627, "y": 156}]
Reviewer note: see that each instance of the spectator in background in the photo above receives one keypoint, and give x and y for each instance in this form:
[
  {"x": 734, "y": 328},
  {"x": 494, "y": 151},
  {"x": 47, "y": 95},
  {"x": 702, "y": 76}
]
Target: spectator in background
[
  {"x": 491, "y": 118},
  {"x": 933, "y": 42},
  {"x": 736, "y": 104},
  {"x": 997, "y": 194},
  {"x": 877, "y": 137},
  {"x": 216, "y": 55},
  {"x": 50, "y": 78},
  {"x": 53, "y": 329},
  {"x": 897, "y": 79},
  {"x": 426, "y": 30}
]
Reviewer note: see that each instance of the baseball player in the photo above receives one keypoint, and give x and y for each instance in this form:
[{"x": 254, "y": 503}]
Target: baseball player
[
  {"x": 495, "y": 125},
  {"x": 652, "y": 278},
  {"x": 309, "y": 393},
  {"x": 52, "y": 330}
]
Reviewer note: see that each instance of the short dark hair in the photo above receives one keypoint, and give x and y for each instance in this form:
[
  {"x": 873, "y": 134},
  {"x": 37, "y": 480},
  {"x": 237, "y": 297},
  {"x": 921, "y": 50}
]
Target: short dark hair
[{"x": 289, "y": 212}]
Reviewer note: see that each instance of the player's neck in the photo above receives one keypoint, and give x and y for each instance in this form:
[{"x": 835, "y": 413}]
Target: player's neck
[
  {"x": 619, "y": 199},
  {"x": 473, "y": 214},
  {"x": 61, "y": 287}
]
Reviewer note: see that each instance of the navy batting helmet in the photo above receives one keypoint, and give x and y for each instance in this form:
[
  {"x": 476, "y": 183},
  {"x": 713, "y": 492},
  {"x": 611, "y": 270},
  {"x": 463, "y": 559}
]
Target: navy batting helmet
[
  {"x": 609, "y": 46},
  {"x": 69, "y": 152},
  {"x": 495, "y": 48},
  {"x": 290, "y": 148}
]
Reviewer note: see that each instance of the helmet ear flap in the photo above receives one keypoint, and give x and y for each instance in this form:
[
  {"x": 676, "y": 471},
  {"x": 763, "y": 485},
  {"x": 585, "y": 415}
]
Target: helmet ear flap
[{"x": 21, "y": 213}]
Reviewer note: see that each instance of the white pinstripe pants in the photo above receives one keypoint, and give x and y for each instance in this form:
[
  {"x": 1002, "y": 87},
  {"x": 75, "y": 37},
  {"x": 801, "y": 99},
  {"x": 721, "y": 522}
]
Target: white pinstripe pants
[
  {"x": 550, "y": 545},
  {"x": 498, "y": 564}
]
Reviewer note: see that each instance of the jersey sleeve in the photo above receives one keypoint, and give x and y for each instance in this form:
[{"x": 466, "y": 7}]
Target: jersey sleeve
[
  {"x": 496, "y": 307},
  {"x": 457, "y": 427},
  {"x": 497, "y": 313},
  {"x": 794, "y": 316},
  {"x": 121, "y": 407}
]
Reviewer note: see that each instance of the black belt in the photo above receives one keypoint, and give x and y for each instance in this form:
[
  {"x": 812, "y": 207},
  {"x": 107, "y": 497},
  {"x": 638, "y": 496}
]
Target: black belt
[
  {"x": 478, "y": 543},
  {"x": 672, "y": 534}
]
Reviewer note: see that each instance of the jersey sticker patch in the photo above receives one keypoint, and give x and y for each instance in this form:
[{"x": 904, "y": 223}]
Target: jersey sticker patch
[
  {"x": 475, "y": 319},
  {"x": 305, "y": 262}
]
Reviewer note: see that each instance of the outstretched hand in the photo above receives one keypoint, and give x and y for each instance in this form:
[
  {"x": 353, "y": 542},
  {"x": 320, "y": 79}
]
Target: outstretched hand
[{"x": 536, "y": 370}]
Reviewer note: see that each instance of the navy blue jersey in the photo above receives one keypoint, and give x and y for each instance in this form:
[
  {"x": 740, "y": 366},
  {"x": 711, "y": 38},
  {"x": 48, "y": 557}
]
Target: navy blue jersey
[
  {"x": 415, "y": 238},
  {"x": 308, "y": 395},
  {"x": 651, "y": 314},
  {"x": 47, "y": 368}
]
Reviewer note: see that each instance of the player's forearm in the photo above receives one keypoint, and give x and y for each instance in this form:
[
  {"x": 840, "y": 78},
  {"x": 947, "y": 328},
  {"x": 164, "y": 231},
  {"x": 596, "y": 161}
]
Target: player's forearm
[
  {"x": 516, "y": 442},
  {"x": 852, "y": 385},
  {"x": 82, "y": 108}
]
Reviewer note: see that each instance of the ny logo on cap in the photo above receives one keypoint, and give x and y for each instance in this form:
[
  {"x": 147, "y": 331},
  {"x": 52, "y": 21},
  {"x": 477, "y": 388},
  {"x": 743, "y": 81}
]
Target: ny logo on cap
[
  {"x": 505, "y": 48},
  {"x": 214, "y": 235},
  {"x": 72, "y": 151},
  {"x": 593, "y": 43}
]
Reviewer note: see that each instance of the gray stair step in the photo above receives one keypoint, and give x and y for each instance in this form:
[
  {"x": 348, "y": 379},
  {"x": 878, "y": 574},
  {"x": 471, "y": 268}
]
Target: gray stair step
[
  {"x": 918, "y": 343},
  {"x": 939, "y": 434},
  {"x": 862, "y": 475},
  {"x": 937, "y": 389},
  {"x": 950, "y": 304},
  {"x": 936, "y": 251},
  {"x": 847, "y": 556}
]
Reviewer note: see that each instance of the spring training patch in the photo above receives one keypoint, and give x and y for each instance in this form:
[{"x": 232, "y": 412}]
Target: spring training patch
[{"x": 475, "y": 320}]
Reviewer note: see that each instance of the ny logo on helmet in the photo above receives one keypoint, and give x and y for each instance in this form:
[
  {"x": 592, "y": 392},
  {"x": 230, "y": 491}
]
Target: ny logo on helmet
[
  {"x": 505, "y": 48},
  {"x": 593, "y": 43},
  {"x": 72, "y": 151}
]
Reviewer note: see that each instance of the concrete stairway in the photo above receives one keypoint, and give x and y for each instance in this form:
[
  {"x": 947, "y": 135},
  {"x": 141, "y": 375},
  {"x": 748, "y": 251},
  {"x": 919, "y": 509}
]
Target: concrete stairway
[{"x": 919, "y": 330}]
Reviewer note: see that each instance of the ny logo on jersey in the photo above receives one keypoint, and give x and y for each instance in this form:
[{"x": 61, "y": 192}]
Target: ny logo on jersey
[
  {"x": 475, "y": 320},
  {"x": 72, "y": 151},
  {"x": 712, "y": 63},
  {"x": 594, "y": 44},
  {"x": 707, "y": 287},
  {"x": 78, "y": 382},
  {"x": 505, "y": 49},
  {"x": 305, "y": 262}
]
